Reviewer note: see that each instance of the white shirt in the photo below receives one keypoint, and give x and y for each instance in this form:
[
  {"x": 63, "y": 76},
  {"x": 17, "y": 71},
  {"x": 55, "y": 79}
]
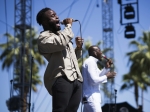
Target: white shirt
[{"x": 92, "y": 76}]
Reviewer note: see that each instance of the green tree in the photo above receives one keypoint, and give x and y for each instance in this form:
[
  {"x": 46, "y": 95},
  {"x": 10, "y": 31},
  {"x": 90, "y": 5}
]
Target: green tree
[
  {"x": 10, "y": 56},
  {"x": 139, "y": 60}
]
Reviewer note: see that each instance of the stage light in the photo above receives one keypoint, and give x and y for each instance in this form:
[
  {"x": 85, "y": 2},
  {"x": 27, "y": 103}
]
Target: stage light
[
  {"x": 129, "y": 31},
  {"x": 129, "y": 12},
  {"x": 119, "y": 1}
]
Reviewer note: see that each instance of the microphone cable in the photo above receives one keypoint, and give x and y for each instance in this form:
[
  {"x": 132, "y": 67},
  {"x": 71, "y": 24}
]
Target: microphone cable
[
  {"x": 81, "y": 64},
  {"x": 81, "y": 56},
  {"x": 81, "y": 38}
]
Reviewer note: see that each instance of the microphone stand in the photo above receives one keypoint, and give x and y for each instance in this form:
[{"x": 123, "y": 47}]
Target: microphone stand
[
  {"x": 30, "y": 84},
  {"x": 11, "y": 92},
  {"x": 115, "y": 100}
]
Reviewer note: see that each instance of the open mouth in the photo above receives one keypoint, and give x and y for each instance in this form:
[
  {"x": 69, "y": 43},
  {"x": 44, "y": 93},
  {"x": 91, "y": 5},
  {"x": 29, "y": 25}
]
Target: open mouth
[{"x": 58, "y": 23}]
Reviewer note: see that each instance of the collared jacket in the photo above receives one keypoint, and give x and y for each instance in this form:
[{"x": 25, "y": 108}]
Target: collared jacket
[{"x": 60, "y": 54}]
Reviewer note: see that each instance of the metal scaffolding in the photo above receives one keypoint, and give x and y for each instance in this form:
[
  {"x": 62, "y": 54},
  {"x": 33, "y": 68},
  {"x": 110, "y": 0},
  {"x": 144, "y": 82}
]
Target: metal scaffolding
[
  {"x": 107, "y": 37},
  {"x": 22, "y": 23}
]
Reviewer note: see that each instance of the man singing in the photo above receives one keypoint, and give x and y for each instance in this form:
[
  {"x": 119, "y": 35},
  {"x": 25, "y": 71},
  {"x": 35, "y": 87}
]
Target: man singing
[
  {"x": 62, "y": 77},
  {"x": 93, "y": 76}
]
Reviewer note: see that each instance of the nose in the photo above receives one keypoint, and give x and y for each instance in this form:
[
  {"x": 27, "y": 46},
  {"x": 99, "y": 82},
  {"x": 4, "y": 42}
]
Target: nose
[{"x": 57, "y": 17}]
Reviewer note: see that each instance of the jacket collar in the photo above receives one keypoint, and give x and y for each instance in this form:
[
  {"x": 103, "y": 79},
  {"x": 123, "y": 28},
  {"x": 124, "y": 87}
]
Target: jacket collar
[{"x": 95, "y": 59}]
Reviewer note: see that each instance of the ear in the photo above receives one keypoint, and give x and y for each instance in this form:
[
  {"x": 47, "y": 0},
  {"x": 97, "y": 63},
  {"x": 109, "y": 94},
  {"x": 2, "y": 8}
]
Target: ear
[{"x": 95, "y": 53}]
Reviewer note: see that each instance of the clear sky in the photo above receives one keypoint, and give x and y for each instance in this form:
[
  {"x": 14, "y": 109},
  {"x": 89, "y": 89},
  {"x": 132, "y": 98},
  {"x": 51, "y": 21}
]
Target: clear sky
[{"x": 90, "y": 17}]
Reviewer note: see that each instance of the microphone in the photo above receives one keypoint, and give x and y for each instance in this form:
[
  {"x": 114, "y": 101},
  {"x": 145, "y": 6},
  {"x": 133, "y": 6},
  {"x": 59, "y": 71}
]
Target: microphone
[
  {"x": 105, "y": 57},
  {"x": 73, "y": 20}
]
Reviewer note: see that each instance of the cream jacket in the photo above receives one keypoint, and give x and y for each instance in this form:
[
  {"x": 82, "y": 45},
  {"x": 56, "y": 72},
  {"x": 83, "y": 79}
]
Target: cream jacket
[{"x": 60, "y": 54}]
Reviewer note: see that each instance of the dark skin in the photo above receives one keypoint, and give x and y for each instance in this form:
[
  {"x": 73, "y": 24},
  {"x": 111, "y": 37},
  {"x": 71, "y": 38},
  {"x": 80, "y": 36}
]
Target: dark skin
[
  {"x": 51, "y": 22},
  {"x": 96, "y": 52}
]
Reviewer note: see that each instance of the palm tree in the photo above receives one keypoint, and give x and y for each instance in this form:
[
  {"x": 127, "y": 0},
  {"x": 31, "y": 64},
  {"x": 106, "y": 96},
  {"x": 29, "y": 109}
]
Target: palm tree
[
  {"x": 129, "y": 82},
  {"x": 11, "y": 57},
  {"x": 139, "y": 74}
]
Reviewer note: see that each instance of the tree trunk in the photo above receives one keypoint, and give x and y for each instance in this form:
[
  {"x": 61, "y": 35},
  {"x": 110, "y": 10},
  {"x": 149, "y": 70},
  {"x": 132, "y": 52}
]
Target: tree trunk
[
  {"x": 142, "y": 99},
  {"x": 136, "y": 94}
]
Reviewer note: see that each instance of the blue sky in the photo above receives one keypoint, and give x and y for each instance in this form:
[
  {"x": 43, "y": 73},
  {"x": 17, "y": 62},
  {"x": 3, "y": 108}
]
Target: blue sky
[{"x": 90, "y": 17}]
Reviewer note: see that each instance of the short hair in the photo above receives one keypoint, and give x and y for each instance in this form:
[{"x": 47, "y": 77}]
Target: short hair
[
  {"x": 40, "y": 15},
  {"x": 91, "y": 49}
]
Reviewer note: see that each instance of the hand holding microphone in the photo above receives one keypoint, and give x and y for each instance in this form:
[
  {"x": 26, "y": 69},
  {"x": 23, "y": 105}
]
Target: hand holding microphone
[
  {"x": 68, "y": 21},
  {"x": 110, "y": 74},
  {"x": 109, "y": 61}
]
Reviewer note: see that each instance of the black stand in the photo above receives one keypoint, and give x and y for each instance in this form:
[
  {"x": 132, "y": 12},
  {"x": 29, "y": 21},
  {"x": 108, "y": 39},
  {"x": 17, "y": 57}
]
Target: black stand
[
  {"x": 30, "y": 84},
  {"x": 114, "y": 110}
]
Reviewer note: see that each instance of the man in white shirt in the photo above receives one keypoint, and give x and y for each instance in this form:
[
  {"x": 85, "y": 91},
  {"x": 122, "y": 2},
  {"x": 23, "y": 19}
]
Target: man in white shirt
[{"x": 92, "y": 77}]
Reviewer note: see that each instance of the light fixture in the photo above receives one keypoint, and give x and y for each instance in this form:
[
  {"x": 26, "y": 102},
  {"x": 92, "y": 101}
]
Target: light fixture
[
  {"x": 119, "y": 1},
  {"x": 129, "y": 31},
  {"x": 129, "y": 12}
]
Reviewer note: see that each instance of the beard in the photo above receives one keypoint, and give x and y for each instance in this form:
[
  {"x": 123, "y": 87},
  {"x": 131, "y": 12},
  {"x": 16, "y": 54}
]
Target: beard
[{"x": 54, "y": 27}]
